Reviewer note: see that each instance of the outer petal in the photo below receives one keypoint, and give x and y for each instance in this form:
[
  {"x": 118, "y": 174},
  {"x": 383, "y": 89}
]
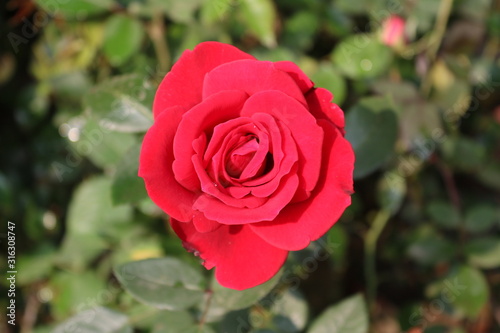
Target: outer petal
[
  {"x": 202, "y": 224},
  {"x": 242, "y": 259},
  {"x": 302, "y": 222},
  {"x": 251, "y": 76},
  {"x": 155, "y": 166},
  {"x": 305, "y": 84},
  {"x": 321, "y": 106},
  {"x": 183, "y": 84}
]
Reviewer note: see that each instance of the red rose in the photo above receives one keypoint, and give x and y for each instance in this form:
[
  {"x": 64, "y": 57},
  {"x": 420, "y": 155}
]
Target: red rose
[{"x": 247, "y": 158}]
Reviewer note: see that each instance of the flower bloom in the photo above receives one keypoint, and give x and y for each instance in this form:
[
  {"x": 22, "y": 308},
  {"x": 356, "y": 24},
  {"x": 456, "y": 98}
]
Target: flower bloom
[
  {"x": 248, "y": 158},
  {"x": 393, "y": 31}
]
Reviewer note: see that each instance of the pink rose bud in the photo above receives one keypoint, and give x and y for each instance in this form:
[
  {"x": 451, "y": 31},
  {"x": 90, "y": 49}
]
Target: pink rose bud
[{"x": 393, "y": 31}]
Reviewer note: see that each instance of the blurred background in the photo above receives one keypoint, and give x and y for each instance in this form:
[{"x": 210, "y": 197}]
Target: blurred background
[{"x": 419, "y": 81}]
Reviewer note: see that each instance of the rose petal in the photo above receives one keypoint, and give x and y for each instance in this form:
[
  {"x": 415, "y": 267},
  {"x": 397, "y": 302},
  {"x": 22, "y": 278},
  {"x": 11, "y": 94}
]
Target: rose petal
[
  {"x": 251, "y": 76},
  {"x": 302, "y": 222},
  {"x": 267, "y": 123},
  {"x": 224, "y": 138},
  {"x": 182, "y": 86},
  {"x": 214, "y": 190},
  {"x": 306, "y": 132},
  {"x": 289, "y": 150},
  {"x": 242, "y": 259},
  {"x": 155, "y": 166},
  {"x": 202, "y": 224},
  {"x": 321, "y": 106},
  {"x": 305, "y": 84},
  {"x": 216, "y": 210},
  {"x": 205, "y": 116}
]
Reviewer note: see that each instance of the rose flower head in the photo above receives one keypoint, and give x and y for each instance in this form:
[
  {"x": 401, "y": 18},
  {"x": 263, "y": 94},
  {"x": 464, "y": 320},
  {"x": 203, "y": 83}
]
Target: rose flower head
[{"x": 247, "y": 158}]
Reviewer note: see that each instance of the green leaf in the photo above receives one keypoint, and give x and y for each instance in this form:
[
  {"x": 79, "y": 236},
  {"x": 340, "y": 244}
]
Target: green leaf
[
  {"x": 352, "y": 7},
  {"x": 234, "y": 321},
  {"x": 483, "y": 252},
  {"x": 127, "y": 186},
  {"x": 146, "y": 317},
  {"x": 329, "y": 78},
  {"x": 464, "y": 153},
  {"x": 424, "y": 14},
  {"x": 490, "y": 175},
  {"x": 164, "y": 283},
  {"x": 494, "y": 24},
  {"x": 122, "y": 103},
  {"x": 372, "y": 132},
  {"x": 178, "y": 11},
  {"x": 291, "y": 312},
  {"x": 168, "y": 321},
  {"x": 75, "y": 292},
  {"x": 91, "y": 218},
  {"x": 96, "y": 320},
  {"x": 91, "y": 211},
  {"x": 362, "y": 56},
  {"x": 138, "y": 244},
  {"x": 102, "y": 146},
  {"x": 122, "y": 38},
  {"x": 418, "y": 118},
  {"x": 77, "y": 251},
  {"x": 161, "y": 321},
  {"x": 260, "y": 17},
  {"x": 443, "y": 214},
  {"x": 350, "y": 315},
  {"x": 225, "y": 299},
  {"x": 35, "y": 266},
  {"x": 216, "y": 10},
  {"x": 70, "y": 85},
  {"x": 480, "y": 218},
  {"x": 195, "y": 329},
  {"x": 430, "y": 248},
  {"x": 76, "y": 9},
  {"x": 299, "y": 30},
  {"x": 465, "y": 288},
  {"x": 454, "y": 98}
]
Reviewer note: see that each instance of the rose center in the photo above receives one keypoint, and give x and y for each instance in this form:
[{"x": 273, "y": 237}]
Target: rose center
[{"x": 241, "y": 156}]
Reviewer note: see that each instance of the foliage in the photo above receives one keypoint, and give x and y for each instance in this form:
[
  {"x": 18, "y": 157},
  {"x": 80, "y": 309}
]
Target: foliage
[{"x": 417, "y": 251}]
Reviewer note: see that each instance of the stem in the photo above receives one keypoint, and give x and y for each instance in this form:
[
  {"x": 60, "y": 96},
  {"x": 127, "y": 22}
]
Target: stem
[
  {"x": 156, "y": 32},
  {"x": 31, "y": 312},
  {"x": 452, "y": 190},
  {"x": 371, "y": 239},
  {"x": 436, "y": 39},
  {"x": 203, "y": 317},
  {"x": 440, "y": 27}
]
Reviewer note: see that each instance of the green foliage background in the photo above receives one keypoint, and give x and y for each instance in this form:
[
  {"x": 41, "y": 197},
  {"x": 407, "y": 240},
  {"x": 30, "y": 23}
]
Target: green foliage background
[{"x": 418, "y": 250}]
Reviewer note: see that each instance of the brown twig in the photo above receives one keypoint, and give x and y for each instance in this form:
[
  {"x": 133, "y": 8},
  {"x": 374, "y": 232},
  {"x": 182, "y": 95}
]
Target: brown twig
[
  {"x": 454, "y": 195},
  {"x": 156, "y": 31},
  {"x": 30, "y": 315}
]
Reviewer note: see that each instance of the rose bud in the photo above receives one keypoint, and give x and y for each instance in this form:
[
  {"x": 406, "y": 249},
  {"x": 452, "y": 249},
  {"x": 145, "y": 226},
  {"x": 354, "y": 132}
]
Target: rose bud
[{"x": 393, "y": 31}]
